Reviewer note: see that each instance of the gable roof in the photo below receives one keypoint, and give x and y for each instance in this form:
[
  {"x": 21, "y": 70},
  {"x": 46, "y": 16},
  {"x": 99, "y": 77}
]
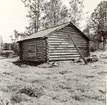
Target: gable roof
[{"x": 45, "y": 32}]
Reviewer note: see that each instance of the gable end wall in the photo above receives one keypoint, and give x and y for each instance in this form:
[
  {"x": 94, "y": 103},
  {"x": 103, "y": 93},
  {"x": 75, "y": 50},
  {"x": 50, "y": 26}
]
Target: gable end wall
[{"x": 61, "y": 46}]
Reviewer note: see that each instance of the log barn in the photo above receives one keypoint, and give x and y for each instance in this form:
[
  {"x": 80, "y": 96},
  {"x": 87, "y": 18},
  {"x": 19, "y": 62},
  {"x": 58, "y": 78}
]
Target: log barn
[{"x": 57, "y": 43}]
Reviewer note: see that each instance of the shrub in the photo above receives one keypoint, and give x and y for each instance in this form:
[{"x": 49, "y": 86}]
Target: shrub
[
  {"x": 6, "y": 53},
  {"x": 36, "y": 92}
]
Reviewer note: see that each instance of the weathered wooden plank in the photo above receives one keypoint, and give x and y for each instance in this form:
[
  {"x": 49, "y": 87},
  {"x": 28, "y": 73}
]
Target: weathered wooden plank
[
  {"x": 67, "y": 40},
  {"x": 41, "y": 45},
  {"x": 35, "y": 42},
  {"x": 57, "y": 46},
  {"x": 58, "y": 40},
  {"x": 65, "y": 34},
  {"x": 62, "y": 48},
  {"x": 62, "y": 45},
  {"x": 59, "y": 43},
  {"x": 66, "y": 31},
  {"x": 64, "y": 54},
  {"x": 62, "y": 58},
  {"x": 56, "y": 36},
  {"x": 41, "y": 52},
  {"x": 40, "y": 48},
  {"x": 64, "y": 40},
  {"x": 59, "y": 35},
  {"x": 41, "y": 55},
  {"x": 67, "y": 49},
  {"x": 64, "y": 51},
  {"x": 65, "y": 43}
]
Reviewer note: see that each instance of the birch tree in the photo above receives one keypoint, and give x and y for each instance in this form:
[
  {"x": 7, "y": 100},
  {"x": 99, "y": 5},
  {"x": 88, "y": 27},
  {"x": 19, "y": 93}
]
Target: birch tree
[
  {"x": 54, "y": 13},
  {"x": 34, "y": 9},
  {"x": 76, "y": 10}
]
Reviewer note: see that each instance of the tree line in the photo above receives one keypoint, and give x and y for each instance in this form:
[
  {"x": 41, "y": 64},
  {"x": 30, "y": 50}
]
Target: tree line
[
  {"x": 97, "y": 25},
  {"x": 43, "y": 14}
]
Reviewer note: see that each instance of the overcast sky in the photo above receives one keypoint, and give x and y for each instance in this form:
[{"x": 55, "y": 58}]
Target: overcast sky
[{"x": 13, "y": 16}]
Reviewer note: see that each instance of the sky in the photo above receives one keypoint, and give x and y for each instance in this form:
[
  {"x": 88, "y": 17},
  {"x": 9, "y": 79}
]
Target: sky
[{"x": 13, "y": 16}]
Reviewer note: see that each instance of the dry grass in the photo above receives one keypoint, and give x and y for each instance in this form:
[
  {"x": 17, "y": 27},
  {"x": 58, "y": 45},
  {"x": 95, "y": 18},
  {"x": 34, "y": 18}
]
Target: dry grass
[{"x": 64, "y": 84}]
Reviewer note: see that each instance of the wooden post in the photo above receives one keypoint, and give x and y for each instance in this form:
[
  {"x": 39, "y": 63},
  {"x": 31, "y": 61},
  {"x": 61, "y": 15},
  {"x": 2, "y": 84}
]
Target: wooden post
[{"x": 78, "y": 50}]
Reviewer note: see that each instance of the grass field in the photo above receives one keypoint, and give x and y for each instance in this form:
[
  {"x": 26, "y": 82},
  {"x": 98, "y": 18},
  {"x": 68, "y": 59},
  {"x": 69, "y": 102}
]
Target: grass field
[{"x": 67, "y": 83}]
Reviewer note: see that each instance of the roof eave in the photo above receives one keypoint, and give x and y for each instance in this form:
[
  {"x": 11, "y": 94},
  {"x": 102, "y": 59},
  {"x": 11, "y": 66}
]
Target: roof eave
[{"x": 32, "y": 39}]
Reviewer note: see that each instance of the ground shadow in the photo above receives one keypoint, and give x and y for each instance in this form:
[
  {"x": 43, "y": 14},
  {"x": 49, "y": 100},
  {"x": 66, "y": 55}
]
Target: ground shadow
[{"x": 31, "y": 63}]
